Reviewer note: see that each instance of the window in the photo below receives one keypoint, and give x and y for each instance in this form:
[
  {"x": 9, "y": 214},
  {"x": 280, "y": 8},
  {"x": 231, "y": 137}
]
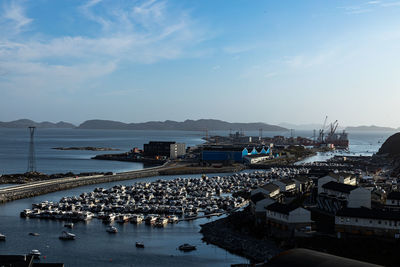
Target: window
[
  {"x": 356, "y": 220},
  {"x": 379, "y": 222}
]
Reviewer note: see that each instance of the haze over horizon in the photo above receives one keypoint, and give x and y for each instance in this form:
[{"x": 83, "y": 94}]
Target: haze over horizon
[{"x": 137, "y": 61}]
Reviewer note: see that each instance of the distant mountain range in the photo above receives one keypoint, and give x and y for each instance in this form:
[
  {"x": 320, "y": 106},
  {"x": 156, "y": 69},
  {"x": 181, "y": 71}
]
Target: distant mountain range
[
  {"x": 187, "y": 125},
  {"x": 371, "y": 128},
  {"x": 24, "y": 123}
]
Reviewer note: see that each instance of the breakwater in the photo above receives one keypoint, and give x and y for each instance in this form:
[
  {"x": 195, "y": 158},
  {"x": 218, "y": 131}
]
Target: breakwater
[{"x": 48, "y": 186}]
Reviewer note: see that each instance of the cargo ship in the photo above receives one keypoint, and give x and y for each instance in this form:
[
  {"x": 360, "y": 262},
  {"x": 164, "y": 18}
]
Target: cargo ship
[{"x": 332, "y": 139}]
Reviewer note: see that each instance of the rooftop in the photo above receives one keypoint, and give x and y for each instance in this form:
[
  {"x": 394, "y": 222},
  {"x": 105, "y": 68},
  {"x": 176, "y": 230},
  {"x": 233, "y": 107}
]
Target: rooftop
[
  {"x": 368, "y": 214},
  {"x": 394, "y": 195},
  {"x": 339, "y": 187}
]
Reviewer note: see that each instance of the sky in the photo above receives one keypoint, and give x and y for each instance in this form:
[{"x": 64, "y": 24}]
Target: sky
[{"x": 292, "y": 61}]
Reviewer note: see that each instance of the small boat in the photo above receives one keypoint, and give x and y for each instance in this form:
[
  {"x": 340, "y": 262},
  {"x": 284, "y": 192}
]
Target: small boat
[
  {"x": 35, "y": 253},
  {"x": 34, "y": 234},
  {"x": 111, "y": 229},
  {"x": 2, "y": 237},
  {"x": 139, "y": 245},
  {"x": 67, "y": 236},
  {"x": 69, "y": 225},
  {"x": 187, "y": 247}
]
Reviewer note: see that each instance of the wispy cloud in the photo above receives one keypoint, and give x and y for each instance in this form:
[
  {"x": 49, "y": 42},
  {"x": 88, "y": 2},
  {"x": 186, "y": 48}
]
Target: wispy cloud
[
  {"x": 368, "y": 6},
  {"x": 14, "y": 17},
  {"x": 130, "y": 32}
]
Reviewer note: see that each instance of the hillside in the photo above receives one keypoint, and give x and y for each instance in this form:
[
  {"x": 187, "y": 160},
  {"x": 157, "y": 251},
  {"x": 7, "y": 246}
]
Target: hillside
[
  {"x": 391, "y": 146},
  {"x": 24, "y": 123},
  {"x": 187, "y": 125}
]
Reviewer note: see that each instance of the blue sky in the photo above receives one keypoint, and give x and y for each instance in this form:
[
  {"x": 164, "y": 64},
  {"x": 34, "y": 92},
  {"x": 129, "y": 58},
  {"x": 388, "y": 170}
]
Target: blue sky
[{"x": 240, "y": 61}]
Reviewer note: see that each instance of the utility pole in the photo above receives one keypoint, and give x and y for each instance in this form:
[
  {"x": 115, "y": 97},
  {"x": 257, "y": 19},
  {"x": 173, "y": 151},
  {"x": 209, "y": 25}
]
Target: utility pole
[{"x": 31, "y": 157}]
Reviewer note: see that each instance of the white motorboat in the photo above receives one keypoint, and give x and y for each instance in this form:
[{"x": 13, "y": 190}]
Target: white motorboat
[
  {"x": 35, "y": 253},
  {"x": 2, "y": 237},
  {"x": 67, "y": 236},
  {"x": 111, "y": 229}
]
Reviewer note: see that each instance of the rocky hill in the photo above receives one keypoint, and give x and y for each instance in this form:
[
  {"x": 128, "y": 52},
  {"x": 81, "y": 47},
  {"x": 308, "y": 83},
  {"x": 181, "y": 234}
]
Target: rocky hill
[{"x": 391, "y": 146}]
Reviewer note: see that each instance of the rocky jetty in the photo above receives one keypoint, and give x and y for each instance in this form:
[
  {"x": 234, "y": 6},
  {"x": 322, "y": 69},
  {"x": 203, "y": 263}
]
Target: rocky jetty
[
  {"x": 229, "y": 233},
  {"x": 22, "y": 178},
  {"x": 90, "y": 148}
]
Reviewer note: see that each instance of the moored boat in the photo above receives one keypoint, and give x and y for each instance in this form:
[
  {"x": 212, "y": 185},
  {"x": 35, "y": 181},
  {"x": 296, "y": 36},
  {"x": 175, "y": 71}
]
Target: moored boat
[
  {"x": 69, "y": 225},
  {"x": 112, "y": 229},
  {"x": 2, "y": 237},
  {"x": 35, "y": 253}
]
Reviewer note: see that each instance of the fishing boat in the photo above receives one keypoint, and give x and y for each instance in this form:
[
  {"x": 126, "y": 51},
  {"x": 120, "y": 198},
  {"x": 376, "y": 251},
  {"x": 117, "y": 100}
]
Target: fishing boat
[{"x": 67, "y": 236}]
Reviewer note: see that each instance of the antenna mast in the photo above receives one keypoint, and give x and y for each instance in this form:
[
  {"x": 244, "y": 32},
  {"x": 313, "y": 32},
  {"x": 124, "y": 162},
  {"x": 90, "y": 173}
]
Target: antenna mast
[{"x": 31, "y": 158}]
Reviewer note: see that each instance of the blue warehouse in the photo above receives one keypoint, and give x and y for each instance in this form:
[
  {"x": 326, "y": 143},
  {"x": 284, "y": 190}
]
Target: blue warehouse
[{"x": 223, "y": 153}]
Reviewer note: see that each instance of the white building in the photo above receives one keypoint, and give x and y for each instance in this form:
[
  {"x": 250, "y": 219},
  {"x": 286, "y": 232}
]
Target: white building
[
  {"x": 364, "y": 221},
  {"x": 287, "y": 218},
  {"x": 285, "y": 185},
  {"x": 269, "y": 189},
  {"x": 303, "y": 183},
  {"x": 344, "y": 178},
  {"x": 253, "y": 159},
  {"x": 177, "y": 150},
  {"x": 355, "y": 196}
]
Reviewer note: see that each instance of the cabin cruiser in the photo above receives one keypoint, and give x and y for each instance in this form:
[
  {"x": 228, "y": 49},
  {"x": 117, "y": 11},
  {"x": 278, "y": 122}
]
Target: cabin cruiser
[
  {"x": 112, "y": 229},
  {"x": 35, "y": 253},
  {"x": 2, "y": 237},
  {"x": 187, "y": 247},
  {"x": 67, "y": 236}
]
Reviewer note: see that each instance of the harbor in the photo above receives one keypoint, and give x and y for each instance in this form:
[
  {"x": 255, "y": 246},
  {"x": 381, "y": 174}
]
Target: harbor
[{"x": 88, "y": 249}]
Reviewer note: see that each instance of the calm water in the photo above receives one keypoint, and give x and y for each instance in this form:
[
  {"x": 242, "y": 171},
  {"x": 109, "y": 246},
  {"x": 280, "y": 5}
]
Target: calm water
[
  {"x": 14, "y": 144},
  {"x": 95, "y": 247}
]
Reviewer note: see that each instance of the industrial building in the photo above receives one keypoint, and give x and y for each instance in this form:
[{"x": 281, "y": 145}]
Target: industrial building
[
  {"x": 232, "y": 153},
  {"x": 171, "y": 150}
]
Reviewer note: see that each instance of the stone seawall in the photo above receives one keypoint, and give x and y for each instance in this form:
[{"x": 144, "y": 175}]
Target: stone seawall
[{"x": 36, "y": 189}]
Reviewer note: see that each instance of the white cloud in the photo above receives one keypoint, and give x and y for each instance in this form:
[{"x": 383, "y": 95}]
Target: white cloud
[
  {"x": 14, "y": 17},
  {"x": 131, "y": 32}
]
